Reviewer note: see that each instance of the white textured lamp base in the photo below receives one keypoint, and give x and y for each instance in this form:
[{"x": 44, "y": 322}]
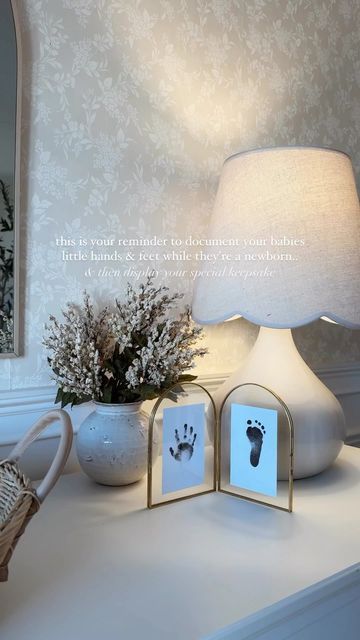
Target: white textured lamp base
[{"x": 319, "y": 422}]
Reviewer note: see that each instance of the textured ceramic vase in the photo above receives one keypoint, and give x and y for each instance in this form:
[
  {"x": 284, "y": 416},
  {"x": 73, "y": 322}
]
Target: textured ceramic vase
[{"x": 112, "y": 444}]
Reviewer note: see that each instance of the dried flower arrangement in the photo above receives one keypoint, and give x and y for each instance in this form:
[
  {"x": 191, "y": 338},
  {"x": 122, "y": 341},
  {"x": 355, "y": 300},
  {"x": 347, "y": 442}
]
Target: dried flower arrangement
[
  {"x": 6, "y": 332},
  {"x": 6, "y": 269},
  {"x": 132, "y": 352}
]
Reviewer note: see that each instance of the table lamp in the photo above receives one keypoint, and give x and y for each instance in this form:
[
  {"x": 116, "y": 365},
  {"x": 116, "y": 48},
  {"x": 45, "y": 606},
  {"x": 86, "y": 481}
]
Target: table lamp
[{"x": 285, "y": 231}]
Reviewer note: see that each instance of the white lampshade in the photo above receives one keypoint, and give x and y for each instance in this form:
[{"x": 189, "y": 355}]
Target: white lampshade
[{"x": 305, "y": 197}]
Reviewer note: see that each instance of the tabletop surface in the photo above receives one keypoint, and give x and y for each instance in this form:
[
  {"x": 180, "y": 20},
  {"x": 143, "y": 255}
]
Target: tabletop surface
[{"x": 95, "y": 563}]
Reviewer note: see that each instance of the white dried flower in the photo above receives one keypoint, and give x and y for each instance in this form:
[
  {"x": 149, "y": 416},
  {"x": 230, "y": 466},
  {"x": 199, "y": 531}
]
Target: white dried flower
[
  {"x": 132, "y": 352},
  {"x": 6, "y": 333}
]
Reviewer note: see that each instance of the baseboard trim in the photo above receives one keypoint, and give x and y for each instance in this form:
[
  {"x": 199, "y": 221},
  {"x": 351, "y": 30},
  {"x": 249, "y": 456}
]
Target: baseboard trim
[{"x": 21, "y": 407}]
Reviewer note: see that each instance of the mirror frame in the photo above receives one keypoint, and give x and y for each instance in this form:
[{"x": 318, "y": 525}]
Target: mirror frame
[{"x": 17, "y": 191}]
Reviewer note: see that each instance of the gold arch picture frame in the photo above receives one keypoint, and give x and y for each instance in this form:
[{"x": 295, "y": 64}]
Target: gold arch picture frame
[
  {"x": 194, "y": 401},
  {"x": 223, "y": 482}
]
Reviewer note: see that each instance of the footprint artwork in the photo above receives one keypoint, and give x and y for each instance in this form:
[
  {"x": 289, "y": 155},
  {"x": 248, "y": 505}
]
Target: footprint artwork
[
  {"x": 256, "y": 436},
  {"x": 185, "y": 447}
]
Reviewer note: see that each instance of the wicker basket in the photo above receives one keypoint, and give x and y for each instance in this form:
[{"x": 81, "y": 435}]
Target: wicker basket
[{"x": 18, "y": 500}]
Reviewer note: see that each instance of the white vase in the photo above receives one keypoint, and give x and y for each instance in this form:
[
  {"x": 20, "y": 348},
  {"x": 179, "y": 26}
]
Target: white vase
[{"x": 112, "y": 443}]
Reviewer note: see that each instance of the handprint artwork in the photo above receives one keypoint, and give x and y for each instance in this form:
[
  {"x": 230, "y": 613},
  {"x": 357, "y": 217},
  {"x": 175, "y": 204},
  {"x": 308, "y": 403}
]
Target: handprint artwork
[
  {"x": 184, "y": 447},
  {"x": 183, "y": 460}
]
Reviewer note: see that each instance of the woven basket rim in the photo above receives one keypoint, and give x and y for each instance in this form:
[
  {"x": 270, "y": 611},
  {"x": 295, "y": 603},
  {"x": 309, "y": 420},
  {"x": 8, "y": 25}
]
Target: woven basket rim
[{"x": 15, "y": 494}]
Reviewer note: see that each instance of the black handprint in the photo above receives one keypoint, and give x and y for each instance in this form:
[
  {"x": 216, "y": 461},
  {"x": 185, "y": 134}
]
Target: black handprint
[{"x": 185, "y": 447}]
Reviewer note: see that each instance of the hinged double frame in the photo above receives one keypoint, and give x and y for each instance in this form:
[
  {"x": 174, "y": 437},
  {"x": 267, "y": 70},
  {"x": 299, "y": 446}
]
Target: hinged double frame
[{"x": 245, "y": 449}]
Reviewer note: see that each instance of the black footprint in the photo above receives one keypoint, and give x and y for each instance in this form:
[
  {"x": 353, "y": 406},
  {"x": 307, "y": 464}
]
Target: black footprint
[
  {"x": 255, "y": 435},
  {"x": 185, "y": 447}
]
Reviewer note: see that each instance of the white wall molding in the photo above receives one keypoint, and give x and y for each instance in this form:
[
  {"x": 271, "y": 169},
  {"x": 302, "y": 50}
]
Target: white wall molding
[
  {"x": 21, "y": 407},
  {"x": 343, "y": 380},
  {"x": 13, "y": 402}
]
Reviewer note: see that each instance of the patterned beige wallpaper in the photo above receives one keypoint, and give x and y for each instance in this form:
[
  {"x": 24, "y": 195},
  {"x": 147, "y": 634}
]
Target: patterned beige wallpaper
[{"x": 131, "y": 106}]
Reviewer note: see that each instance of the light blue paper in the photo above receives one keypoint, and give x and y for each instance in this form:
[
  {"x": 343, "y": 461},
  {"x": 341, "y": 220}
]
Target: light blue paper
[
  {"x": 185, "y": 466},
  {"x": 253, "y": 449}
]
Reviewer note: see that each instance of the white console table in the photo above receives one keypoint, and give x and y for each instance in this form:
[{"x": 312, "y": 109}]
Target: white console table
[{"x": 96, "y": 564}]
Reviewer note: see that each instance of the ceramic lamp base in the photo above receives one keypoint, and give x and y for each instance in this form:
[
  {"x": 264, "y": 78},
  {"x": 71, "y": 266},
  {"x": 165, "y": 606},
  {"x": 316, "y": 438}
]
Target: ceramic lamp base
[{"x": 319, "y": 422}]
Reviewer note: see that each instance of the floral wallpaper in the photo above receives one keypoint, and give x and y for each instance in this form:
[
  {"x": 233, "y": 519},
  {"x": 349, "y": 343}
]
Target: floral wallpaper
[{"x": 130, "y": 108}]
